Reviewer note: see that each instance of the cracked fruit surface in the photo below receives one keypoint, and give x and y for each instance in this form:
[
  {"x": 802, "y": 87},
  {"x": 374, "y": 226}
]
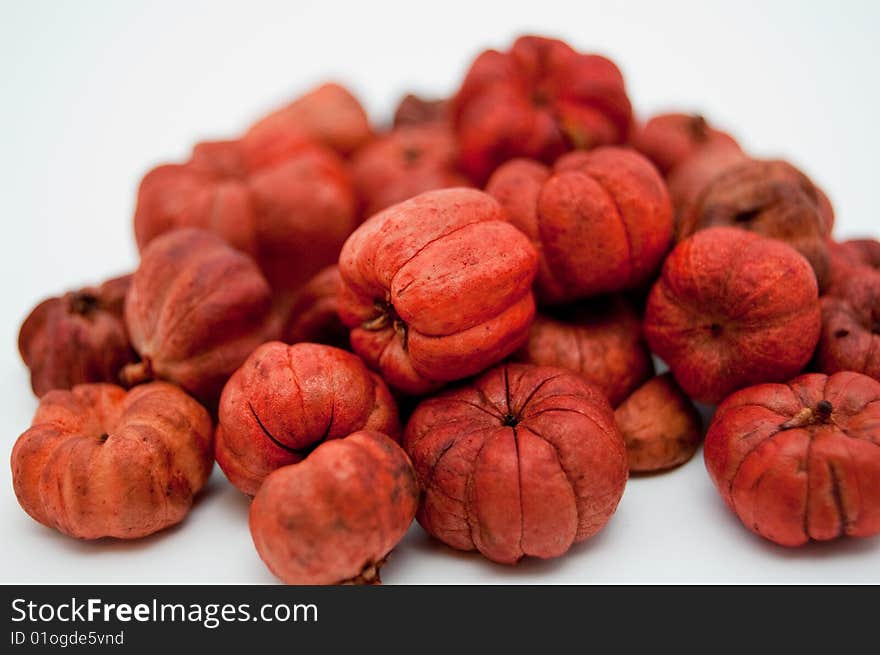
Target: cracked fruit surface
[
  {"x": 732, "y": 309},
  {"x": 334, "y": 517},
  {"x": 286, "y": 400},
  {"x": 601, "y": 220},
  {"x": 538, "y": 100},
  {"x": 437, "y": 288},
  {"x": 800, "y": 461},
  {"x": 77, "y": 338},
  {"x": 100, "y": 461},
  {"x": 524, "y": 461},
  {"x": 195, "y": 310}
]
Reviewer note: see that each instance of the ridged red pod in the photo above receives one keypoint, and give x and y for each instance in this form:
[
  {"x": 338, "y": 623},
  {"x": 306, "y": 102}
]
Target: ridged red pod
[
  {"x": 285, "y": 400},
  {"x": 669, "y": 140},
  {"x": 523, "y": 461},
  {"x": 98, "y": 461},
  {"x": 800, "y": 461},
  {"x": 313, "y": 315}
]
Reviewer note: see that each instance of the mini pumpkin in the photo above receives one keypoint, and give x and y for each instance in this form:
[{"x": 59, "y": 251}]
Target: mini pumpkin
[
  {"x": 437, "y": 288},
  {"x": 195, "y": 310},
  {"x": 800, "y": 461},
  {"x": 732, "y": 309},
  {"x": 601, "y": 340},
  {"x": 538, "y": 100},
  {"x": 286, "y": 202},
  {"x": 334, "y": 517},
  {"x": 601, "y": 221},
  {"x": 668, "y": 140},
  {"x": 404, "y": 163},
  {"x": 77, "y": 338},
  {"x": 285, "y": 400},
  {"x": 524, "y": 461},
  {"x": 98, "y": 461},
  {"x": 313, "y": 315}
]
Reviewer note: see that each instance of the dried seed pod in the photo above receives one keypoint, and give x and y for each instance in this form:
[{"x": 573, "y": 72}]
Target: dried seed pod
[
  {"x": 538, "y": 100},
  {"x": 404, "y": 163},
  {"x": 98, "y": 461},
  {"x": 334, "y": 517},
  {"x": 601, "y": 220},
  {"x": 313, "y": 315},
  {"x": 668, "y": 140},
  {"x": 660, "y": 425},
  {"x": 524, "y": 461},
  {"x": 600, "y": 340},
  {"x": 414, "y": 110},
  {"x": 77, "y": 338},
  {"x": 285, "y": 400},
  {"x": 195, "y": 310},
  {"x": 732, "y": 309},
  {"x": 437, "y": 288},
  {"x": 800, "y": 461}
]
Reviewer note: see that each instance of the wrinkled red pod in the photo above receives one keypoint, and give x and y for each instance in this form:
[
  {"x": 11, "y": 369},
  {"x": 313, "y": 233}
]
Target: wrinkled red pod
[
  {"x": 77, "y": 338},
  {"x": 671, "y": 139},
  {"x": 286, "y": 202},
  {"x": 98, "y": 461},
  {"x": 538, "y": 100},
  {"x": 404, "y": 163},
  {"x": 601, "y": 220},
  {"x": 769, "y": 197},
  {"x": 195, "y": 310},
  {"x": 334, "y": 517},
  {"x": 524, "y": 461},
  {"x": 800, "y": 461},
  {"x": 732, "y": 309},
  {"x": 284, "y": 400},
  {"x": 414, "y": 110},
  {"x": 328, "y": 114},
  {"x": 600, "y": 340},
  {"x": 437, "y": 288},
  {"x": 313, "y": 314}
]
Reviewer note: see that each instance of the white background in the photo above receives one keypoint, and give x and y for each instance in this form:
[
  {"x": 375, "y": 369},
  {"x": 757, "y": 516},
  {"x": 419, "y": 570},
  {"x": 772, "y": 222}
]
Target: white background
[{"x": 95, "y": 93}]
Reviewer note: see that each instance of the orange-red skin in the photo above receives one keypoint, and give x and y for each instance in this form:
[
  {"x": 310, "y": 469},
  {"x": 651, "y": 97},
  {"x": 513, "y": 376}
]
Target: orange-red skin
[
  {"x": 334, "y": 517},
  {"x": 99, "y": 461},
  {"x": 529, "y": 489},
  {"x": 195, "y": 310},
  {"x": 601, "y": 220},
  {"x": 732, "y": 309},
  {"x": 437, "y": 288},
  {"x": 285, "y": 400},
  {"x": 537, "y": 100},
  {"x": 404, "y": 163},
  {"x": 328, "y": 114},
  {"x": 790, "y": 474},
  {"x": 287, "y": 202},
  {"x": 77, "y": 338},
  {"x": 668, "y": 140},
  {"x": 313, "y": 314},
  {"x": 601, "y": 340}
]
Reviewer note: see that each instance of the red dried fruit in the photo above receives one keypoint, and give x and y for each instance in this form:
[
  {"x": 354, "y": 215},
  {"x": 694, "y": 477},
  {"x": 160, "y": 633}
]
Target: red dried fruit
[
  {"x": 524, "y": 461},
  {"x": 335, "y": 517},
  {"x": 771, "y": 198},
  {"x": 800, "y": 461},
  {"x": 670, "y": 139},
  {"x": 285, "y": 400},
  {"x": 77, "y": 338},
  {"x": 313, "y": 313},
  {"x": 195, "y": 310},
  {"x": 413, "y": 110},
  {"x": 287, "y": 203},
  {"x": 601, "y": 340},
  {"x": 328, "y": 114},
  {"x": 601, "y": 220},
  {"x": 437, "y": 288},
  {"x": 405, "y": 163},
  {"x": 98, "y": 461},
  {"x": 732, "y": 309},
  {"x": 538, "y": 100},
  {"x": 861, "y": 251},
  {"x": 850, "y": 339},
  {"x": 660, "y": 425}
]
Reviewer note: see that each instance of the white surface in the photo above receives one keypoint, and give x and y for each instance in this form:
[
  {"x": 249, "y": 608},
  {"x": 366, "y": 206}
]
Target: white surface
[{"x": 94, "y": 93}]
